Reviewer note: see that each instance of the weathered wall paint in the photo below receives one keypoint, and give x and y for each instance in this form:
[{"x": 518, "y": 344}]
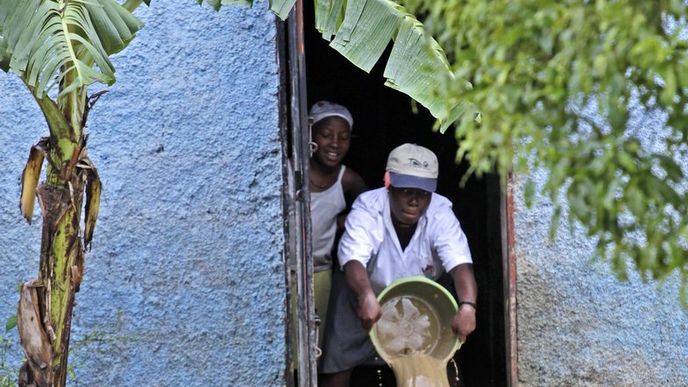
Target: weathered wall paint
[
  {"x": 579, "y": 325},
  {"x": 184, "y": 285}
]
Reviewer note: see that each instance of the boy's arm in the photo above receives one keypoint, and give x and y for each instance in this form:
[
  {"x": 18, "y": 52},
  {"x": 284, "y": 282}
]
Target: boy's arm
[
  {"x": 463, "y": 322},
  {"x": 369, "y": 310}
]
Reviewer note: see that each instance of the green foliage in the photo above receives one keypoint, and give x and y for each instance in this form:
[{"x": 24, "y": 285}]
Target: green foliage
[
  {"x": 11, "y": 323},
  {"x": 553, "y": 82},
  {"x": 8, "y": 373}
]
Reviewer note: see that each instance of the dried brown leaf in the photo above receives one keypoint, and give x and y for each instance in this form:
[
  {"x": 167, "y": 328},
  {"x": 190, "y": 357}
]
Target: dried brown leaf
[
  {"x": 93, "y": 189},
  {"x": 29, "y": 180},
  {"x": 34, "y": 340}
]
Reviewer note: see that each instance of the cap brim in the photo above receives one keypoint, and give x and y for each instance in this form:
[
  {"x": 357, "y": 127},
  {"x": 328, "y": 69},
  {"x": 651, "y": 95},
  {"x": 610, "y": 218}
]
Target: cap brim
[{"x": 398, "y": 180}]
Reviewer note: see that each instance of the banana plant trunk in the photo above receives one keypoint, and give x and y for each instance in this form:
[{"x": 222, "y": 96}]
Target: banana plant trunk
[{"x": 45, "y": 305}]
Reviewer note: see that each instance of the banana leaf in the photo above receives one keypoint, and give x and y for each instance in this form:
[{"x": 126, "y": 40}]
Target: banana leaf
[
  {"x": 361, "y": 30},
  {"x": 417, "y": 63},
  {"x": 47, "y": 42}
]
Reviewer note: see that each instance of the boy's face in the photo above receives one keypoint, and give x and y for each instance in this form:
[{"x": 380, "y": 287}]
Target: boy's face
[
  {"x": 333, "y": 137},
  {"x": 408, "y": 204}
]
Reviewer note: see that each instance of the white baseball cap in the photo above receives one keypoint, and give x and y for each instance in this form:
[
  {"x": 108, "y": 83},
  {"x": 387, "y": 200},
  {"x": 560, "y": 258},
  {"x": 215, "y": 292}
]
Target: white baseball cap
[
  {"x": 323, "y": 109},
  {"x": 413, "y": 166}
]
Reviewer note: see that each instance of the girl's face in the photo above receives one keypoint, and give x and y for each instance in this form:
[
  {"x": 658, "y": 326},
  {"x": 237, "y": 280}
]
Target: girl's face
[{"x": 333, "y": 136}]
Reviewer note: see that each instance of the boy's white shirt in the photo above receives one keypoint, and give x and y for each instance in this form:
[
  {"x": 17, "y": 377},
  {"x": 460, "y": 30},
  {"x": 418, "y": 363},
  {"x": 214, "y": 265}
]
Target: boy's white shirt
[{"x": 438, "y": 244}]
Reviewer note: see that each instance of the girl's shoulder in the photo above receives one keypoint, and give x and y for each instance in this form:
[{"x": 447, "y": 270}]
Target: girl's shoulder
[{"x": 352, "y": 182}]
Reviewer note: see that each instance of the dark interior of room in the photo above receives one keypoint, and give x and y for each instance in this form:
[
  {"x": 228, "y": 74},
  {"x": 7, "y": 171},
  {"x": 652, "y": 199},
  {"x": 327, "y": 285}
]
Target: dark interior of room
[{"x": 383, "y": 119}]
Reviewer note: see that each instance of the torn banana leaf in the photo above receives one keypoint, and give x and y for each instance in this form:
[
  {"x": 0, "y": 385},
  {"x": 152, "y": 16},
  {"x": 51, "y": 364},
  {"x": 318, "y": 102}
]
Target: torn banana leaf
[
  {"x": 363, "y": 29},
  {"x": 410, "y": 71},
  {"x": 282, "y": 7},
  {"x": 328, "y": 17}
]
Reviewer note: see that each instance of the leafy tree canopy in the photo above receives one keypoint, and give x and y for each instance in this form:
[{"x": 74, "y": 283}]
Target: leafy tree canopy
[{"x": 551, "y": 83}]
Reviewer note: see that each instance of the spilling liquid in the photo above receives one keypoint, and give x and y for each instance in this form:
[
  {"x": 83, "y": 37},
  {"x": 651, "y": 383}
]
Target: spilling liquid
[
  {"x": 419, "y": 370},
  {"x": 408, "y": 332}
]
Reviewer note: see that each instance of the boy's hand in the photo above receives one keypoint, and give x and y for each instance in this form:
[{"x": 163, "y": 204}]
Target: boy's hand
[
  {"x": 463, "y": 323},
  {"x": 369, "y": 310}
]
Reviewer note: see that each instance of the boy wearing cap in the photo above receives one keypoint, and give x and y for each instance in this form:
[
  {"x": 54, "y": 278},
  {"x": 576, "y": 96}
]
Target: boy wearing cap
[{"x": 397, "y": 231}]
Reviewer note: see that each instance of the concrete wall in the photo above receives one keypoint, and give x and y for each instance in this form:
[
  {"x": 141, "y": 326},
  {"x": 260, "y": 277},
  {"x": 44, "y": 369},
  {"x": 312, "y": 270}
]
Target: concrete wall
[
  {"x": 577, "y": 324},
  {"x": 184, "y": 285}
]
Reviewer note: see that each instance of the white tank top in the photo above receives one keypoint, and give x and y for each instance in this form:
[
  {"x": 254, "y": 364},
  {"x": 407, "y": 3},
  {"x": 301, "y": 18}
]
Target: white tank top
[{"x": 325, "y": 206}]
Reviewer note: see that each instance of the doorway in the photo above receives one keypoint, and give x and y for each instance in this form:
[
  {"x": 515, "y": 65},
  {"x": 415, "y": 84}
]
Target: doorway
[{"x": 383, "y": 119}]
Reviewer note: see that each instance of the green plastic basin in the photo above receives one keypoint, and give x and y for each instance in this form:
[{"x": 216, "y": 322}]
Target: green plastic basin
[{"x": 417, "y": 315}]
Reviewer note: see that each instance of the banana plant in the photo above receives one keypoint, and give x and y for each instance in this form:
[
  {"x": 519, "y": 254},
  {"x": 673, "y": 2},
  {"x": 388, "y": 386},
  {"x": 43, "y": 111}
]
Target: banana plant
[{"x": 58, "y": 48}]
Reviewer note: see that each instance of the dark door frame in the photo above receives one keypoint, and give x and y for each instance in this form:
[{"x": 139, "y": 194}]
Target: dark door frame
[
  {"x": 296, "y": 198},
  {"x": 509, "y": 264},
  {"x": 298, "y": 228}
]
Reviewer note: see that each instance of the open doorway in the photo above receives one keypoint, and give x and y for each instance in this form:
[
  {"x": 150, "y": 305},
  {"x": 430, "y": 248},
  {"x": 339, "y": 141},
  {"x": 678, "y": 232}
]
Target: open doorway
[{"x": 383, "y": 119}]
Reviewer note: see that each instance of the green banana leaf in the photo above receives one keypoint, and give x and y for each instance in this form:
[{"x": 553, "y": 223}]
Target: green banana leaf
[
  {"x": 280, "y": 7},
  {"x": 47, "y": 42},
  {"x": 361, "y": 30}
]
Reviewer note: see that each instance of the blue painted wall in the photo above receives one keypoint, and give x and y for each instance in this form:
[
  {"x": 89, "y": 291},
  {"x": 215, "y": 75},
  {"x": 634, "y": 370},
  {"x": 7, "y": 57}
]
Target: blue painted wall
[
  {"x": 577, "y": 324},
  {"x": 184, "y": 285},
  {"x": 185, "y": 282}
]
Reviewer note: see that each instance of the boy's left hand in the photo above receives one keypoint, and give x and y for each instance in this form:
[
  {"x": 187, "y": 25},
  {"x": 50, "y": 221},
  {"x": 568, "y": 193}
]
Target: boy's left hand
[{"x": 463, "y": 323}]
